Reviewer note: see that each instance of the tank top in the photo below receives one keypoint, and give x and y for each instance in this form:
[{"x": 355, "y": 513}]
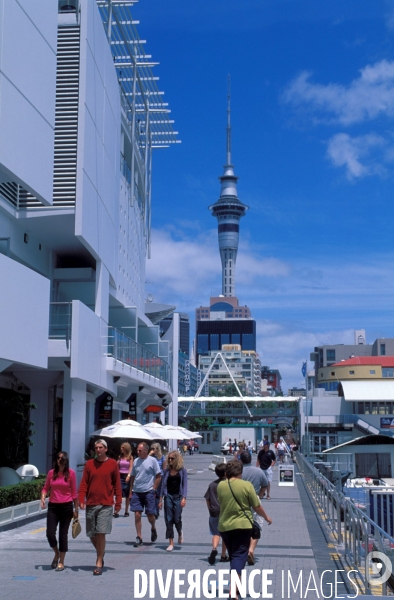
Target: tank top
[{"x": 124, "y": 465}]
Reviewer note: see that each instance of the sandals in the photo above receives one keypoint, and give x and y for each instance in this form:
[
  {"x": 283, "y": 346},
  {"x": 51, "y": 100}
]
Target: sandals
[
  {"x": 98, "y": 571},
  {"x": 225, "y": 559},
  {"x": 60, "y": 568},
  {"x": 54, "y": 563}
]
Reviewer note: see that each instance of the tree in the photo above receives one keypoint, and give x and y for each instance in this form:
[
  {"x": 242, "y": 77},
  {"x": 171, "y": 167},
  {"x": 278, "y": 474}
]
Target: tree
[
  {"x": 15, "y": 429},
  {"x": 199, "y": 423}
]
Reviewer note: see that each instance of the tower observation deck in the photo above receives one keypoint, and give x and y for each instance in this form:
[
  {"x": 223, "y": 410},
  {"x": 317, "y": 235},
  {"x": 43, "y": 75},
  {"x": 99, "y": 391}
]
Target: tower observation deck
[{"x": 228, "y": 210}]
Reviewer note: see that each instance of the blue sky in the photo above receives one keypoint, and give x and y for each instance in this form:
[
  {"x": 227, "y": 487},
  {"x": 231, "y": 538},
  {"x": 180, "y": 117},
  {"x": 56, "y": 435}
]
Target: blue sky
[{"x": 313, "y": 145}]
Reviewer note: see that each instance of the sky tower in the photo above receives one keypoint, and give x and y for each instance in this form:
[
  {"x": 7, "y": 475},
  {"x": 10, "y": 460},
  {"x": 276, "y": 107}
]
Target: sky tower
[{"x": 228, "y": 210}]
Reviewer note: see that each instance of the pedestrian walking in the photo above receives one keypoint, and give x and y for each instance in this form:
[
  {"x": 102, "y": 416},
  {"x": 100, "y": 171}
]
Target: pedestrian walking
[
  {"x": 156, "y": 452},
  {"x": 250, "y": 448},
  {"x": 61, "y": 484},
  {"x": 211, "y": 497},
  {"x": 281, "y": 450},
  {"x": 174, "y": 492},
  {"x": 145, "y": 481},
  {"x": 258, "y": 479},
  {"x": 99, "y": 490},
  {"x": 266, "y": 459},
  {"x": 236, "y": 498},
  {"x": 239, "y": 449},
  {"x": 125, "y": 464}
]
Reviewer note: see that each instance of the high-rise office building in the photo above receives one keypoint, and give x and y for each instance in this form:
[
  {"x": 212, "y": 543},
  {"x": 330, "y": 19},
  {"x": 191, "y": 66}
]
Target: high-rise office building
[
  {"x": 80, "y": 115},
  {"x": 184, "y": 331}
]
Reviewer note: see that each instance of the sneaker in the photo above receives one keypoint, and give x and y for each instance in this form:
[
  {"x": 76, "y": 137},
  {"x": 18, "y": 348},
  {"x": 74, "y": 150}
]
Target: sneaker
[
  {"x": 153, "y": 536},
  {"x": 180, "y": 538},
  {"x": 138, "y": 542},
  {"x": 212, "y": 556}
]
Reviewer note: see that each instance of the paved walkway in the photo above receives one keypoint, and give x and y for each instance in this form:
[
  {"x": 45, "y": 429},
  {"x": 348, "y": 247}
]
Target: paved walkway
[{"x": 294, "y": 543}]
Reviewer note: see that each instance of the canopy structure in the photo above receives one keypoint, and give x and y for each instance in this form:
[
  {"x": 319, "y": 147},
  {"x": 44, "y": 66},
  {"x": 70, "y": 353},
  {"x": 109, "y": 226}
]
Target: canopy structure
[
  {"x": 361, "y": 390},
  {"x": 141, "y": 95},
  {"x": 257, "y": 399}
]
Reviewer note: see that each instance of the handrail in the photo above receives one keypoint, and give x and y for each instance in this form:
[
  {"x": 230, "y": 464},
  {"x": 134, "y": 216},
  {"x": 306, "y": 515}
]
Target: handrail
[
  {"x": 354, "y": 531},
  {"x": 129, "y": 352},
  {"x": 60, "y": 314}
]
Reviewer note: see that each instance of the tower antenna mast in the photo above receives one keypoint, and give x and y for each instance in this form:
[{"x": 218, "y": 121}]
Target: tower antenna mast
[{"x": 228, "y": 120}]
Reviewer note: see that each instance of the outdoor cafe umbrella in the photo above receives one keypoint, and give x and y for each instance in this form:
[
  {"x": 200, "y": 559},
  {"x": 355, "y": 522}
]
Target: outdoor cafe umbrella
[
  {"x": 172, "y": 432},
  {"x": 125, "y": 429},
  {"x": 186, "y": 432},
  {"x": 165, "y": 432}
]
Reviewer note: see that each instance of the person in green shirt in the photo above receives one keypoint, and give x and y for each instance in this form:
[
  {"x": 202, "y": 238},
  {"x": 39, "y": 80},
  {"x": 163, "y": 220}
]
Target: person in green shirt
[{"x": 236, "y": 498}]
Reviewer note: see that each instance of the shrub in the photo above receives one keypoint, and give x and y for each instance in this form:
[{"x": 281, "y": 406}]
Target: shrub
[{"x": 11, "y": 495}]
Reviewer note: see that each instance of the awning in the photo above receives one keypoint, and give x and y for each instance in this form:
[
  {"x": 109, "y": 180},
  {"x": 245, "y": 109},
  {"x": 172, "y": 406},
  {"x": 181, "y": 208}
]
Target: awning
[{"x": 368, "y": 390}]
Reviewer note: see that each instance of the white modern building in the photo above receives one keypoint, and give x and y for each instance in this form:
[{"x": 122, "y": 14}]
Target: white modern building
[{"x": 80, "y": 114}]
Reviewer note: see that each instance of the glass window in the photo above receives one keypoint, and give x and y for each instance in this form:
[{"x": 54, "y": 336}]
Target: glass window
[
  {"x": 382, "y": 349},
  {"x": 202, "y": 343},
  {"x": 332, "y": 373},
  {"x": 387, "y": 372},
  {"x": 372, "y": 372},
  {"x": 330, "y": 354},
  {"x": 351, "y": 372},
  {"x": 235, "y": 338},
  {"x": 367, "y": 408},
  {"x": 374, "y": 408},
  {"x": 214, "y": 341}
]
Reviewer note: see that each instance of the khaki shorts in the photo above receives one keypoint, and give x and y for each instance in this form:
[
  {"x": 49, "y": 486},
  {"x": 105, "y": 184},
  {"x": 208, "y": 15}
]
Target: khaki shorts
[
  {"x": 260, "y": 520},
  {"x": 99, "y": 519}
]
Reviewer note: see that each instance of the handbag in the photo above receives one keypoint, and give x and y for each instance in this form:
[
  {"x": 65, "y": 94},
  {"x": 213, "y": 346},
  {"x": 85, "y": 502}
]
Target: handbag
[
  {"x": 76, "y": 528},
  {"x": 256, "y": 529}
]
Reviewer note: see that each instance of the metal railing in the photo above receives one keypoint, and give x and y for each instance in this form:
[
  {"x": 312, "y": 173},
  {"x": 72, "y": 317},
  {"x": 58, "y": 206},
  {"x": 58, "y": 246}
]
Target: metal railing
[
  {"x": 235, "y": 409},
  {"x": 355, "y": 533},
  {"x": 60, "y": 314},
  {"x": 129, "y": 352}
]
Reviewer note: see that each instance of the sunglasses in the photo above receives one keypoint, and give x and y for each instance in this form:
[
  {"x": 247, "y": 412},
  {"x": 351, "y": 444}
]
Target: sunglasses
[{"x": 171, "y": 458}]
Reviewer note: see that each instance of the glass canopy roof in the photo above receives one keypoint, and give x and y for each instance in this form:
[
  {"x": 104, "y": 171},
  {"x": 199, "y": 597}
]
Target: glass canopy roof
[{"x": 135, "y": 75}]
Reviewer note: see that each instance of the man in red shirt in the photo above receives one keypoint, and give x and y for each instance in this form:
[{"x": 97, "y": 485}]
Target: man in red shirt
[{"x": 100, "y": 483}]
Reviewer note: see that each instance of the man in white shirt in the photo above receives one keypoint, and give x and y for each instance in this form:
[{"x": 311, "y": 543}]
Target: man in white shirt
[{"x": 144, "y": 481}]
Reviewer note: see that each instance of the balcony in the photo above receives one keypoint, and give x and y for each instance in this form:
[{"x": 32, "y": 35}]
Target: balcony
[
  {"x": 60, "y": 315},
  {"x": 132, "y": 354}
]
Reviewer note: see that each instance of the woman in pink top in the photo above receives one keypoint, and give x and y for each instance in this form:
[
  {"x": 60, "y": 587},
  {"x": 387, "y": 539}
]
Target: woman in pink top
[
  {"x": 125, "y": 464},
  {"x": 62, "y": 485}
]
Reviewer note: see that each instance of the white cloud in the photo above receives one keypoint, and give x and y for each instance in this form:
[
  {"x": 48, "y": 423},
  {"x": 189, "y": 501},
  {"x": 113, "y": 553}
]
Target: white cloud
[
  {"x": 346, "y": 151},
  {"x": 389, "y": 15},
  {"x": 365, "y": 98},
  {"x": 297, "y": 304}
]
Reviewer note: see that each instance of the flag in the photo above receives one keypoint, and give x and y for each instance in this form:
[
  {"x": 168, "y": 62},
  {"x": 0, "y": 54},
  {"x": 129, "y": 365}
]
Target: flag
[{"x": 303, "y": 369}]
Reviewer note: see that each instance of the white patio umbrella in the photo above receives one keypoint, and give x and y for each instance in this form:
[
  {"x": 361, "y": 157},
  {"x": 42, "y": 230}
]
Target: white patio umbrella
[
  {"x": 187, "y": 433},
  {"x": 173, "y": 432},
  {"x": 125, "y": 429},
  {"x": 165, "y": 432}
]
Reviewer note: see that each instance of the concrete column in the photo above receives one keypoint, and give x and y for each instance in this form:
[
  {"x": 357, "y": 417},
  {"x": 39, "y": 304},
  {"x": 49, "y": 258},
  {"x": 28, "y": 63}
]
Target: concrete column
[
  {"x": 74, "y": 421},
  {"x": 102, "y": 291},
  {"x": 39, "y": 382},
  {"x": 173, "y": 407}
]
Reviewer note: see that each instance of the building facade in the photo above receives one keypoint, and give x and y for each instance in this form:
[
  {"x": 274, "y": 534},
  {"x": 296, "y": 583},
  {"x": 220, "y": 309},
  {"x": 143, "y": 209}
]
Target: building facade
[
  {"x": 80, "y": 114},
  {"x": 184, "y": 331},
  {"x": 244, "y": 366}
]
